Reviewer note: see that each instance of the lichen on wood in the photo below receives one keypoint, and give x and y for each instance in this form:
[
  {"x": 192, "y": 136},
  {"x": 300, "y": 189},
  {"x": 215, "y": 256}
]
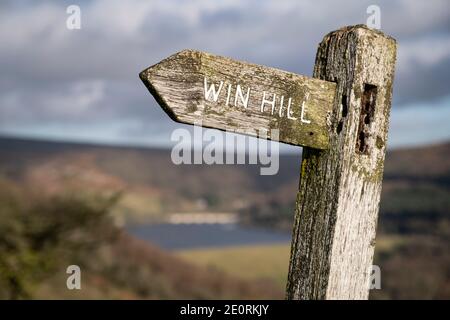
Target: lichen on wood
[{"x": 339, "y": 193}]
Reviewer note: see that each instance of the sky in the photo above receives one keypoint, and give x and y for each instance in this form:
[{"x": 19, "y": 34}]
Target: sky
[{"x": 83, "y": 85}]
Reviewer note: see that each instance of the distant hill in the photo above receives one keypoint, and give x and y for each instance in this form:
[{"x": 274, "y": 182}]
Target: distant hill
[
  {"x": 152, "y": 185},
  {"x": 420, "y": 163},
  {"x": 150, "y": 182}
]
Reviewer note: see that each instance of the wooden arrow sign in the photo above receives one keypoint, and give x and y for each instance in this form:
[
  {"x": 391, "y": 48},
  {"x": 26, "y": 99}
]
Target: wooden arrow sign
[{"x": 225, "y": 94}]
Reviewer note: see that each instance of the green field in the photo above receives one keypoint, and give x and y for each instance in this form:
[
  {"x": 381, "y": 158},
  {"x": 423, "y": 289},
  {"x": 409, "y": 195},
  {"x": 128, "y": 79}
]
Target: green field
[
  {"x": 247, "y": 262},
  {"x": 260, "y": 261}
]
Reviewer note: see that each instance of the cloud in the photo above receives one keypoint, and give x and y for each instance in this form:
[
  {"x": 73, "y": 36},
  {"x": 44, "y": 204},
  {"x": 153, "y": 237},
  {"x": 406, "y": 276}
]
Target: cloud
[
  {"x": 52, "y": 75},
  {"x": 70, "y": 101}
]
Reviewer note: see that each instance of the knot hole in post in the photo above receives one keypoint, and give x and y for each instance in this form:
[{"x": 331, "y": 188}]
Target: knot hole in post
[
  {"x": 368, "y": 102},
  {"x": 344, "y": 111}
]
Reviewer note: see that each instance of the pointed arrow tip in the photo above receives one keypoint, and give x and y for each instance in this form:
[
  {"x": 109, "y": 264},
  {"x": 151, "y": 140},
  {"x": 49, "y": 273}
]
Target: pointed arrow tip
[{"x": 143, "y": 75}]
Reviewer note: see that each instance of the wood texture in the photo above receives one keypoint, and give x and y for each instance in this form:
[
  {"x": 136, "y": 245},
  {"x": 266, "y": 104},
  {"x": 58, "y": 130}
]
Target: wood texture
[
  {"x": 338, "y": 200},
  {"x": 178, "y": 84}
]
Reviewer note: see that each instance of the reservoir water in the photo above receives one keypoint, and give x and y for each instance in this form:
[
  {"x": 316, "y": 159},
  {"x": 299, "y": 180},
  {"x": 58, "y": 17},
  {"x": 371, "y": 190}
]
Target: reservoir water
[{"x": 190, "y": 236}]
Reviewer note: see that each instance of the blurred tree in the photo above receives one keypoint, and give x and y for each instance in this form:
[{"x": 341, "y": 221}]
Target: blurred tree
[{"x": 39, "y": 233}]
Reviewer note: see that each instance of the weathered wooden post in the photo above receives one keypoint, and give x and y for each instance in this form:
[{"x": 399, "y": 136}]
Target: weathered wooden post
[
  {"x": 337, "y": 203},
  {"x": 341, "y": 118}
]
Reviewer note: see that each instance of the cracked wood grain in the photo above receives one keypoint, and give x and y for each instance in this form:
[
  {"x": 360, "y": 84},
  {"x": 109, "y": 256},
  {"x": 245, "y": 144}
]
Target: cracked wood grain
[{"x": 339, "y": 194}]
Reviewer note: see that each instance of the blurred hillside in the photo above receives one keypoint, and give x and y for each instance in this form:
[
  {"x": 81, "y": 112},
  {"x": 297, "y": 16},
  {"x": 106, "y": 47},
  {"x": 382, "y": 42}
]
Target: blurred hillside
[
  {"x": 413, "y": 231},
  {"x": 40, "y": 235},
  {"x": 150, "y": 184}
]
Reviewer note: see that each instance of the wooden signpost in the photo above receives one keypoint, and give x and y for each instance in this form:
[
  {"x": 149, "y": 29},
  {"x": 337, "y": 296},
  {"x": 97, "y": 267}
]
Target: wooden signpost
[{"x": 340, "y": 116}]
